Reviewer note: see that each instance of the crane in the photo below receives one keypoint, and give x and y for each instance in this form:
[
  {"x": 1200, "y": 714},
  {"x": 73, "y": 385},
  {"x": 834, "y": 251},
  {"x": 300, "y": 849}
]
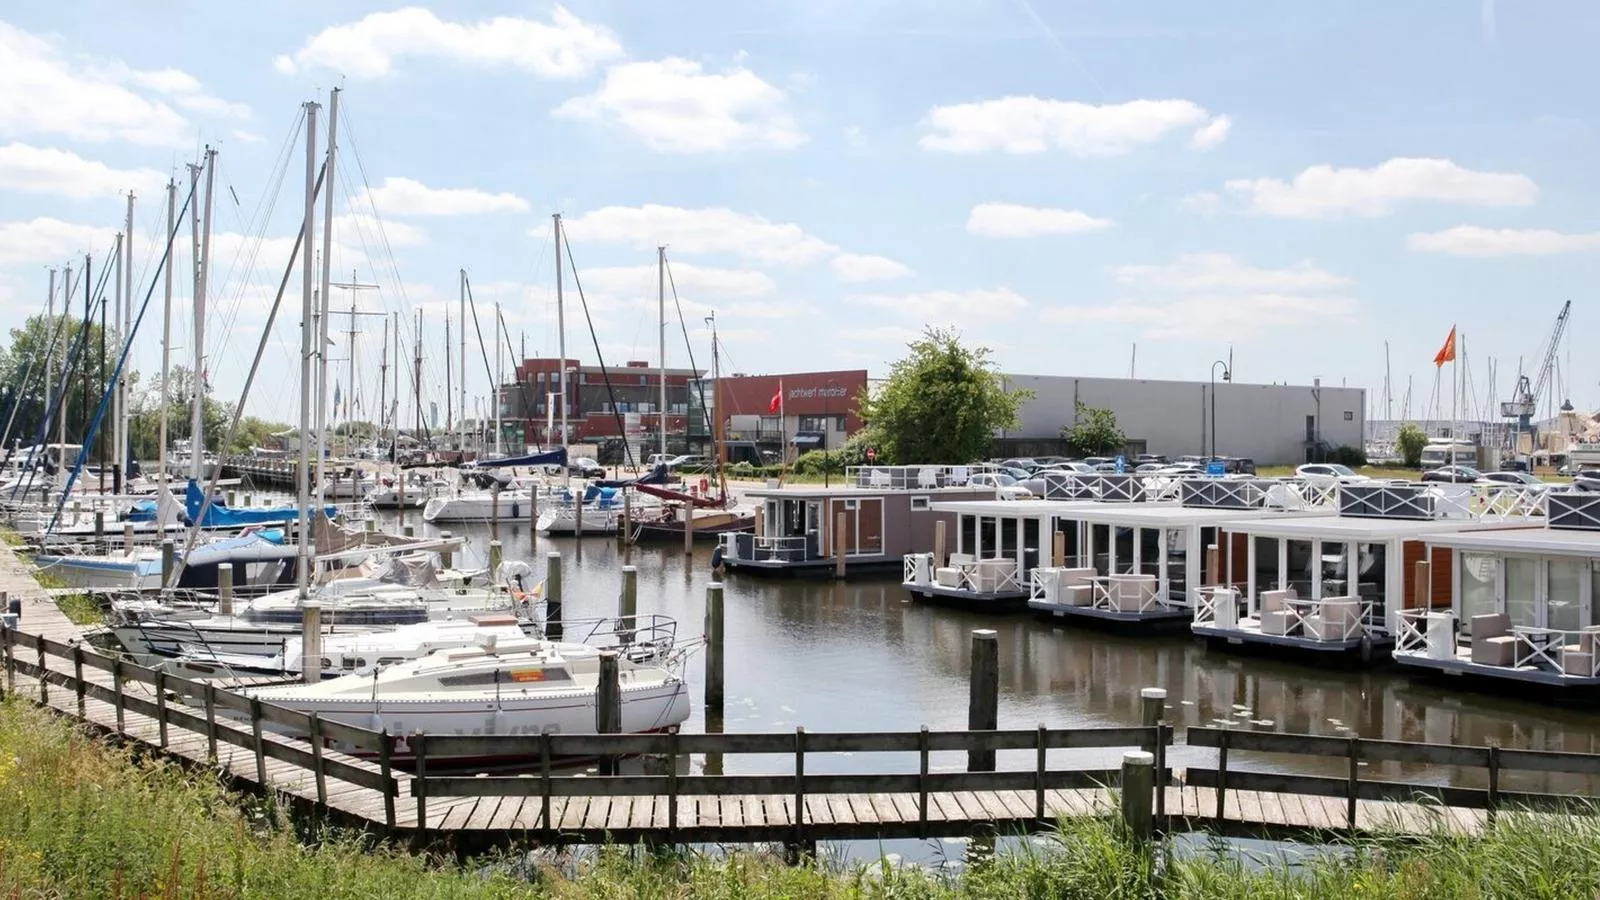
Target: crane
[{"x": 1525, "y": 395}]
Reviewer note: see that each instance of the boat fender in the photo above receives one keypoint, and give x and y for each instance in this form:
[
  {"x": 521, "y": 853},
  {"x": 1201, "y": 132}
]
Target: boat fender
[
  {"x": 516, "y": 511},
  {"x": 716, "y": 559}
]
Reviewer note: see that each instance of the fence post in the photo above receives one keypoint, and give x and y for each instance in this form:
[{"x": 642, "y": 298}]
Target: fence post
[
  {"x": 1494, "y": 781},
  {"x": 1222, "y": 771},
  {"x": 255, "y": 734},
  {"x": 9, "y": 636},
  {"x": 116, "y": 689},
  {"x": 44, "y": 683},
  {"x": 161, "y": 705},
  {"x": 544, "y": 779},
  {"x": 419, "y": 784},
  {"x": 922, "y": 784},
  {"x": 608, "y": 705},
  {"x": 672, "y": 787},
  {"x": 715, "y": 683},
  {"x": 316, "y": 759},
  {"x": 1350, "y": 786},
  {"x": 1038, "y": 776},
  {"x": 1138, "y": 788},
  {"x": 799, "y": 788},
  {"x": 211, "y": 719},
  {"x": 983, "y": 701},
  {"x": 78, "y": 686},
  {"x": 1153, "y": 711},
  {"x": 386, "y": 769}
]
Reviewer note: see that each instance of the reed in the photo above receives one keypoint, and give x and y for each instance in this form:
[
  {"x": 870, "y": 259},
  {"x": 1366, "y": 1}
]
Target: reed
[{"x": 81, "y": 818}]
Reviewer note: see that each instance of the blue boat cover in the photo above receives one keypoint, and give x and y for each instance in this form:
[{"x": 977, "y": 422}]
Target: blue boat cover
[
  {"x": 220, "y": 515},
  {"x": 143, "y": 511},
  {"x": 556, "y": 457},
  {"x": 658, "y": 475}
]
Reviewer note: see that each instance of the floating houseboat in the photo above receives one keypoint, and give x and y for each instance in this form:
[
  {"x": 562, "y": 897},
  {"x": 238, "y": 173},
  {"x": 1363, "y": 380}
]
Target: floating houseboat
[
  {"x": 1136, "y": 564},
  {"x": 999, "y": 543},
  {"x": 1337, "y": 584},
  {"x": 872, "y": 520},
  {"x": 1523, "y": 604}
]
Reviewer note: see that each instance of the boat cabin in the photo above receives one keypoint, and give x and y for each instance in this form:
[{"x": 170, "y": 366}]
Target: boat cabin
[
  {"x": 1338, "y": 584},
  {"x": 997, "y": 546},
  {"x": 871, "y": 521},
  {"x": 1523, "y": 606},
  {"x": 1137, "y": 563}
]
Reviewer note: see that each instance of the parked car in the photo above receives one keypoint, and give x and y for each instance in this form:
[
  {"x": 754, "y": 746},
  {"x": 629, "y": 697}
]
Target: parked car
[
  {"x": 1326, "y": 475},
  {"x": 1513, "y": 465},
  {"x": 1149, "y": 468},
  {"x": 1452, "y": 475},
  {"x": 1515, "y": 479},
  {"x": 1024, "y": 463},
  {"x": 1070, "y": 468},
  {"x": 585, "y": 467},
  {"x": 1148, "y": 458},
  {"x": 1005, "y": 487},
  {"x": 657, "y": 459},
  {"x": 689, "y": 464}
]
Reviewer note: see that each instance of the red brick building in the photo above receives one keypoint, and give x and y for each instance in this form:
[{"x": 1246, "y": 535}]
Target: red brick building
[
  {"x": 818, "y": 410},
  {"x": 596, "y": 399}
]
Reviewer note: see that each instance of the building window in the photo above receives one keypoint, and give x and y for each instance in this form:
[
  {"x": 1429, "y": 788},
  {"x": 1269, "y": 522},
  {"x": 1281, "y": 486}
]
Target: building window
[
  {"x": 920, "y": 503},
  {"x": 1349, "y": 416},
  {"x": 821, "y": 423}
]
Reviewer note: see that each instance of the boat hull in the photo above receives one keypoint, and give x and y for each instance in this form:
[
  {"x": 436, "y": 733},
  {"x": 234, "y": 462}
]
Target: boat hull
[{"x": 473, "y": 508}]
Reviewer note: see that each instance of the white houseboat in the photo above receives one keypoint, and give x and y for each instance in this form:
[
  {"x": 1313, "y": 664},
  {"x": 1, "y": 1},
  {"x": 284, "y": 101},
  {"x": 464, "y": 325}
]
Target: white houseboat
[
  {"x": 1522, "y": 603},
  {"x": 886, "y": 512},
  {"x": 1336, "y": 585}
]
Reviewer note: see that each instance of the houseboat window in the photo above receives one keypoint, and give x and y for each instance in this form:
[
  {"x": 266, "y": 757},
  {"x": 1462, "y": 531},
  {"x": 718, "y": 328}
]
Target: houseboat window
[
  {"x": 1478, "y": 576},
  {"x": 1101, "y": 536},
  {"x": 1030, "y": 539},
  {"x": 1177, "y": 570},
  {"x": 1300, "y": 566},
  {"x": 794, "y": 518},
  {"x": 920, "y": 503},
  {"x": 1521, "y": 586},
  {"x": 969, "y": 534},
  {"x": 1149, "y": 551},
  {"x": 1565, "y": 583}
]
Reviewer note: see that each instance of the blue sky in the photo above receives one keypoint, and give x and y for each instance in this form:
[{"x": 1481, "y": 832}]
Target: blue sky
[{"x": 1060, "y": 181}]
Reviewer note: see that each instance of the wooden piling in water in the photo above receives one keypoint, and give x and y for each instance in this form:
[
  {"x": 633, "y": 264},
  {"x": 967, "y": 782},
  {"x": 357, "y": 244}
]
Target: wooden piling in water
[
  {"x": 100, "y": 530},
  {"x": 1213, "y": 573},
  {"x": 225, "y": 589},
  {"x": 1138, "y": 792},
  {"x": 552, "y": 596},
  {"x": 311, "y": 642},
  {"x": 939, "y": 527},
  {"x": 608, "y": 704},
  {"x": 628, "y": 603},
  {"x": 715, "y": 693},
  {"x": 445, "y": 556},
  {"x": 497, "y": 554},
  {"x": 1422, "y": 585},
  {"x": 838, "y": 544},
  {"x": 1058, "y": 550},
  {"x": 127, "y": 538},
  {"x": 168, "y": 560},
  {"x": 983, "y": 701}
]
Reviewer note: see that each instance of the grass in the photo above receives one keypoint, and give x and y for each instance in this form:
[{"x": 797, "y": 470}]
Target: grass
[
  {"x": 79, "y": 818},
  {"x": 81, "y": 609}
]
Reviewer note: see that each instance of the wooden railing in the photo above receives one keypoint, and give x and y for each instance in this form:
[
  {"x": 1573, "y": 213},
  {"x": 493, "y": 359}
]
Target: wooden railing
[{"x": 1354, "y": 751}]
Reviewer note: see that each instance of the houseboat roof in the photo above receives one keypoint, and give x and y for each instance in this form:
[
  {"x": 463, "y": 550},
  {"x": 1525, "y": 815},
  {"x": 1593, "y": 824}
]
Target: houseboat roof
[
  {"x": 851, "y": 490},
  {"x": 1013, "y": 508},
  {"x": 1548, "y": 541},
  {"x": 1158, "y": 514},
  {"x": 1358, "y": 528}
]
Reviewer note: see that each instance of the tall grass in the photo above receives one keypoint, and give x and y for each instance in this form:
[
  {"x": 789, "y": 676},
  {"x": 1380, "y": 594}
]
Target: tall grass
[{"x": 79, "y": 818}]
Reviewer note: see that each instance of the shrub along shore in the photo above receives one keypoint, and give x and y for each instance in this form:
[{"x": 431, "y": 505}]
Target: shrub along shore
[{"x": 83, "y": 818}]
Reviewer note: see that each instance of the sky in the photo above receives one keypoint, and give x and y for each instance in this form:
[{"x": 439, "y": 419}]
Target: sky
[{"x": 1320, "y": 190}]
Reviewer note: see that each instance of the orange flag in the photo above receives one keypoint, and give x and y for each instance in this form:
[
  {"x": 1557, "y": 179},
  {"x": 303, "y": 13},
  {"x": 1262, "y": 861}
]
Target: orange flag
[{"x": 1447, "y": 353}]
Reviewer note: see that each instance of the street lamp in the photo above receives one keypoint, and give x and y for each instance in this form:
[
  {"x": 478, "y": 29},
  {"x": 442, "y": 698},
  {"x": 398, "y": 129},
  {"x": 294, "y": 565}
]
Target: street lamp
[{"x": 1226, "y": 376}]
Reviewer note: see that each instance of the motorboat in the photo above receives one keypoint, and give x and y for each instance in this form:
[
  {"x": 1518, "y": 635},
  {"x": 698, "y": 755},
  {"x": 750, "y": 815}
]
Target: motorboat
[
  {"x": 517, "y": 687},
  {"x": 478, "y": 506}
]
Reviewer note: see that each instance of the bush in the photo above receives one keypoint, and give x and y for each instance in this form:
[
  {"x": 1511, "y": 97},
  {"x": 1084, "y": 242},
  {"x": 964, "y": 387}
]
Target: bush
[
  {"x": 1411, "y": 441},
  {"x": 1354, "y": 457}
]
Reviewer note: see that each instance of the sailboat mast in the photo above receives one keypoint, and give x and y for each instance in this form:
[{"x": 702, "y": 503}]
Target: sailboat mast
[
  {"x": 197, "y": 440},
  {"x": 116, "y": 394},
  {"x": 166, "y": 334},
  {"x": 383, "y": 380},
  {"x": 125, "y": 442},
  {"x": 561, "y": 333},
  {"x": 416, "y": 379},
  {"x": 50, "y": 327},
  {"x": 661, "y": 322},
  {"x": 461, "y": 389},
  {"x": 499, "y": 378},
  {"x": 307, "y": 337},
  {"x": 329, "y": 167}
]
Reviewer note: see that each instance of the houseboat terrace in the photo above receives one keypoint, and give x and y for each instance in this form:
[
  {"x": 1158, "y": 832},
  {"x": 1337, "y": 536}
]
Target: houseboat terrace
[
  {"x": 1522, "y": 603},
  {"x": 1337, "y": 585},
  {"x": 872, "y": 521}
]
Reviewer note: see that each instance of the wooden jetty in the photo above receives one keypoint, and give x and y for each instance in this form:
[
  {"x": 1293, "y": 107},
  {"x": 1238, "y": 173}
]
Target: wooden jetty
[{"x": 47, "y": 660}]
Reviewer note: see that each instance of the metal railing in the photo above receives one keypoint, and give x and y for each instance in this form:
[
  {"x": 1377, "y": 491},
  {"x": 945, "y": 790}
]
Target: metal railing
[
  {"x": 1112, "y": 594},
  {"x": 1209, "y": 598},
  {"x": 913, "y": 478}
]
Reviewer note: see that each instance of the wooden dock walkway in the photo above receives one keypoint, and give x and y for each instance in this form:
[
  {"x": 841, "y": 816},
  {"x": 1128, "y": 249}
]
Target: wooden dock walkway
[{"x": 47, "y": 660}]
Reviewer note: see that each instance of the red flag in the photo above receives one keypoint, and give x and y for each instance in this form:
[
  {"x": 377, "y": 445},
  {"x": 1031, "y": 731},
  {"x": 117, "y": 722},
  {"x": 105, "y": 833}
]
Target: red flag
[
  {"x": 776, "y": 405},
  {"x": 1447, "y": 353}
]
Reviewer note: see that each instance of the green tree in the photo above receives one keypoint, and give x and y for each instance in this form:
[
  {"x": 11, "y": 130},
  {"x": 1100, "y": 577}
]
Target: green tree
[
  {"x": 1410, "y": 442},
  {"x": 942, "y": 403},
  {"x": 42, "y": 337},
  {"x": 1093, "y": 432}
]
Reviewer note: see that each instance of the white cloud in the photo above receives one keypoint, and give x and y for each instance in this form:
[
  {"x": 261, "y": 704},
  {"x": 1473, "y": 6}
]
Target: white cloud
[
  {"x": 709, "y": 230},
  {"x": 674, "y": 106},
  {"x": 1471, "y": 240},
  {"x": 364, "y": 230},
  {"x": 47, "y": 241},
  {"x": 1205, "y": 203},
  {"x": 1010, "y": 220},
  {"x": 1326, "y": 191},
  {"x": 245, "y": 137},
  {"x": 861, "y": 267},
  {"x": 934, "y": 307},
  {"x": 1212, "y": 133},
  {"x": 1034, "y": 125},
  {"x": 854, "y": 136},
  {"x": 1210, "y": 317},
  {"x": 42, "y": 92},
  {"x": 564, "y": 47},
  {"x": 62, "y": 173},
  {"x": 1219, "y": 271},
  {"x": 409, "y": 197}
]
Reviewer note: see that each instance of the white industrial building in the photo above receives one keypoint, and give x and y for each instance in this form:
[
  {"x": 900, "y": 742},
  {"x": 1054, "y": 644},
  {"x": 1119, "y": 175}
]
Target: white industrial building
[{"x": 1273, "y": 424}]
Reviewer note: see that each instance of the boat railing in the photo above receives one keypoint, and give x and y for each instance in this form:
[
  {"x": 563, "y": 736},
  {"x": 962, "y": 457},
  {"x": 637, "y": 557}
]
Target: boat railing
[
  {"x": 1549, "y": 648},
  {"x": 1216, "y": 605},
  {"x": 913, "y": 478},
  {"x": 640, "y": 637},
  {"x": 766, "y": 548},
  {"x": 918, "y": 569},
  {"x": 1412, "y": 627},
  {"x": 1330, "y": 618},
  {"x": 1130, "y": 593}
]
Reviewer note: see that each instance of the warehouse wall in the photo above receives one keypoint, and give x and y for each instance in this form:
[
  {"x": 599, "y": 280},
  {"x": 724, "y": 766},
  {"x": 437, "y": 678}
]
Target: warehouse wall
[{"x": 1266, "y": 422}]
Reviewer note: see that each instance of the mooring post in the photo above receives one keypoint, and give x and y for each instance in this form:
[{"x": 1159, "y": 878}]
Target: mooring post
[
  {"x": 1058, "y": 549},
  {"x": 715, "y": 685},
  {"x": 225, "y": 589},
  {"x": 1138, "y": 789},
  {"x": 625, "y": 533},
  {"x": 688, "y": 529},
  {"x": 445, "y": 556},
  {"x": 608, "y": 705},
  {"x": 311, "y": 641},
  {"x": 1421, "y": 585},
  {"x": 127, "y": 538},
  {"x": 1213, "y": 572},
  {"x": 577, "y": 515},
  {"x": 100, "y": 530},
  {"x": 838, "y": 545},
  {"x": 1152, "y": 713},
  {"x": 497, "y": 554},
  {"x": 628, "y": 608},
  {"x": 983, "y": 703},
  {"x": 168, "y": 551},
  {"x": 552, "y": 596},
  {"x": 533, "y": 514}
]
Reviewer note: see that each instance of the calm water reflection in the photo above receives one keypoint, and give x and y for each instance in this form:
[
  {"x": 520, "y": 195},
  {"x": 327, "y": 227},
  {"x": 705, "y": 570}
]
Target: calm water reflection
[{"x": 860, "y": 655}]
